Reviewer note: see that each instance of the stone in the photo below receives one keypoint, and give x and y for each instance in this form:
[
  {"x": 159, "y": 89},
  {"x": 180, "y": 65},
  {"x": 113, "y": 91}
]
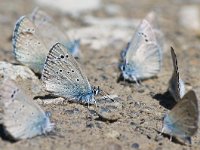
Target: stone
[
  {"x": 189, "y": 17},
  {"x": 71, "y": 6},
  {"x": 21, "y": 74},
  {"x": 135, "y": 146}
]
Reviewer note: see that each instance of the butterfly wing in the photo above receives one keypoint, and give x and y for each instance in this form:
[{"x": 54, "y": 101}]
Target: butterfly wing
[
  {"x": 152, "y": 19},
  {"x": 47, "y": 28},
  {"x": 21, "y": 117},
  {"x": 62, "y": 75},
  {"x": 29, "y": 49},
  {"x": 176, "y": 85},
  {"x": 144, "y": 53},
  {"x": 185, "y": 114}
]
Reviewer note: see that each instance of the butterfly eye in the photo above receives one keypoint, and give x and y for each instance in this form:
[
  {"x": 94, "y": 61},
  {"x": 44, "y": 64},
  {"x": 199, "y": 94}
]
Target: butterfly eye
[
  {"x": 123, "y": 67},
  {"x": 48, "y": 113}
]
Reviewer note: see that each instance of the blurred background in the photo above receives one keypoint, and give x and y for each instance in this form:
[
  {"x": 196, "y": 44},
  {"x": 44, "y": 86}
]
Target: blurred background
[{"x": 104, "y": 27}]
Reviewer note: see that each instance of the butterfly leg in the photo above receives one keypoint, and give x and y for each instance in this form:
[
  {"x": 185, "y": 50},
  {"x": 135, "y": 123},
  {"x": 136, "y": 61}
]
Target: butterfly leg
[
  {"x": 95, "y": 103},
  {"x": 162, "y": 131},
  {"x": 170, "y": 138},
  {"x": 88, "y": 103},
  {"x": 136, "y": 81}
]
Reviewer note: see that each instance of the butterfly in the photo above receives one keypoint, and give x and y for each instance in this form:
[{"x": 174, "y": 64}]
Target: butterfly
[
  {"x": 152, "y": 18},
  {"x": 182, "y": 120},
  {"x": 22, "y": 118},
  {"x": 32, "y": 39},
  {"x": 28, "y": 47},
  {"x": 63, "y": 77},
  {"x": 143, "y": 55},
  {"x": 51, "y": 33},
  {"x": 176, "y": 84}
]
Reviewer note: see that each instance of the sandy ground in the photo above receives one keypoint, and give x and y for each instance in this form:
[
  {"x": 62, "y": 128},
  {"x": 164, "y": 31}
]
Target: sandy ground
[{"x": 141, "y": 109}]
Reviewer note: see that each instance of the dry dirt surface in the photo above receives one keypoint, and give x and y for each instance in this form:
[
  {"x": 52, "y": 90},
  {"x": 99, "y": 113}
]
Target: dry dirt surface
[{"x": 136, "y": 118}]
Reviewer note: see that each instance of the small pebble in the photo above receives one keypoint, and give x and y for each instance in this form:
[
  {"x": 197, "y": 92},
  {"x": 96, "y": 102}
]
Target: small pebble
[
  {"x": 71, "y": 111},
  {"x": 135, "y": 146},
  {"x": 90, "y": 124},
  {"x": 113, "y": 134},
  {"x": 158, "y": 138},
  {"x": 140, "y": 90},
  {"x": 129, "y": 98}
]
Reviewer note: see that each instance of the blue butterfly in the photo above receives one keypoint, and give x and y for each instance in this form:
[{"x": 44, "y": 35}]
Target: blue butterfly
[
  {"x": 63, "y": 77},
  {"x": 34, "y": 36},
  {"x": 21, "y": 116},
  {"x": 182, "y": 120},
  {"x": 176, "y": 84},
  {"x": 142, "y": 58}
]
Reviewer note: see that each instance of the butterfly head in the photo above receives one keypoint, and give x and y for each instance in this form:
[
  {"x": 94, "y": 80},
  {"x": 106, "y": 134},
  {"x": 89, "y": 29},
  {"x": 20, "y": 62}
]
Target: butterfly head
[
  {"x": 129, "y": 72},
  {"x": 89, "y": 96},
  {"x": 96, "y": 91},
  {"x": 170, "y": 128}
]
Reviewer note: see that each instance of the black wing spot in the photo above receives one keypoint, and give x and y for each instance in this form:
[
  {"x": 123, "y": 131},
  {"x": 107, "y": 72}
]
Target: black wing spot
[
  {"x": 77, "y": 79},
  {"x": 60, "y": 70},
  {"x": 13, "y": 94},
  {"x": 72, "y": 70},
  {"x": 146, "y": 40},
  {"x": 61, "y": 56},
  {"x": 67, "y": 56}
]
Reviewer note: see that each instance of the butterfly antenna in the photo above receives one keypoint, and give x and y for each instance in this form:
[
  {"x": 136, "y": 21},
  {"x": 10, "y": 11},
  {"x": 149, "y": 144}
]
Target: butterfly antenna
[
  {"x": 35, "y": 11},
  {"x": 105, "y": 94}
]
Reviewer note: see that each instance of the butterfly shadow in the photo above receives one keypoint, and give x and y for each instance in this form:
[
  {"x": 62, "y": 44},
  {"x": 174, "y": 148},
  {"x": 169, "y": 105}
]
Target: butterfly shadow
[
  {"x": 48, "y": 96},
  {"x": 123, "y": 81},
  {"x": 165, "y": 100},
  {"x": 176, "y": 140},
  {"x": 5, "y": 136}
]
